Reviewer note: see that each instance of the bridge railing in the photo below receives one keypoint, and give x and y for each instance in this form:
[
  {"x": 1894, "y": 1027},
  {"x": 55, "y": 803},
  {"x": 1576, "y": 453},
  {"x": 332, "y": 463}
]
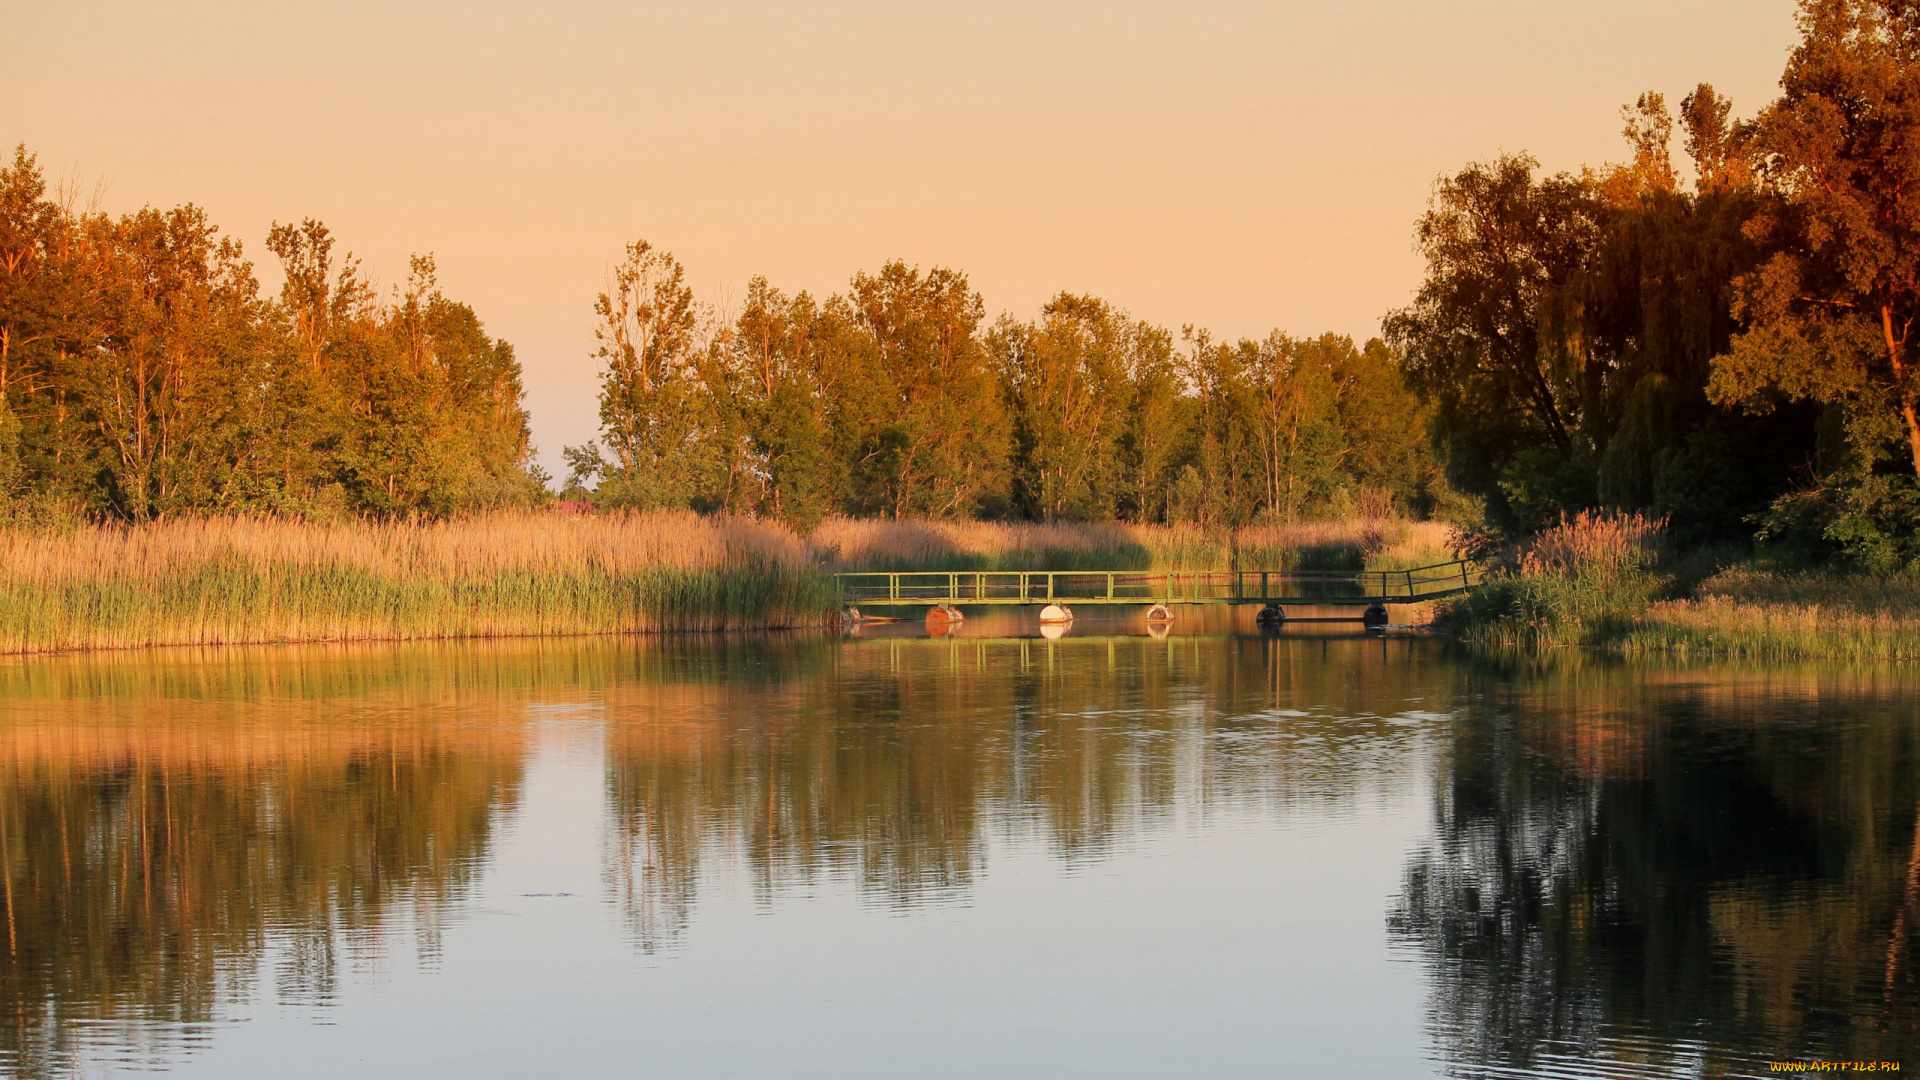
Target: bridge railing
[{"x": 1158, "y": 586}]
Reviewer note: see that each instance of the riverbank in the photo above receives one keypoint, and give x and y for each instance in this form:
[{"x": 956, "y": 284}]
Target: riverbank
[
  {"x": 247, "y": 581},
  {"x": 1787, "y": 616},
  {"x": 1613, "y": 583}
]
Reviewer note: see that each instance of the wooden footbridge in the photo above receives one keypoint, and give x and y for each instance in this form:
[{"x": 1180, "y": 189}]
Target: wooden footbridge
[{"x": 1057, "y": 591}]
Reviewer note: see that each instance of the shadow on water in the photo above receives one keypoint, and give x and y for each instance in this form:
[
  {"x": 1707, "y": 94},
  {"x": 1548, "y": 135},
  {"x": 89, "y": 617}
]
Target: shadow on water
[{"x": 1658, "y": 869}]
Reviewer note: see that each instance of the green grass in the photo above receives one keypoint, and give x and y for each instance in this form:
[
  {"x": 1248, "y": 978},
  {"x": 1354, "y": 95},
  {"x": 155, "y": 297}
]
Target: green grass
[
  {"x": 245, "y": 605},
  {"x": 1613, "y": 592},
  {"x": 1805, "y": 615}
]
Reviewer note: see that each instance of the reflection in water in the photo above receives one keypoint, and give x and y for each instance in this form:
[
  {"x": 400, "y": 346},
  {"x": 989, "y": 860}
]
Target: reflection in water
[
  {"x": 165, "y": 840},
  {"x": 1639, "y": 869},
  {"x": 894, "y": 762},
  {"x": 1644, "y": 870}
]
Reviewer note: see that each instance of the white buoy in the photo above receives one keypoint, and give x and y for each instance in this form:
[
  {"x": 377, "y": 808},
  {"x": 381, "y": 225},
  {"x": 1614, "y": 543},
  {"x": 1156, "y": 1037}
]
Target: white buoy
[
  {"x": 1054, "y": 613},
  {"x": 1159, "y": 613}
]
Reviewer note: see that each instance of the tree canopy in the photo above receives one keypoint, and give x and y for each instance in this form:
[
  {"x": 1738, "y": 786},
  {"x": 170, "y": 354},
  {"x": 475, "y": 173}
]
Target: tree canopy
[
  {"x": 894, "y": 399},
  {"x": 143, "y": 374}
]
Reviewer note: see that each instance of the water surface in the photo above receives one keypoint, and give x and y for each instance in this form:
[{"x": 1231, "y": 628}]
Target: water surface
[{"x": 1212, "y": 853}]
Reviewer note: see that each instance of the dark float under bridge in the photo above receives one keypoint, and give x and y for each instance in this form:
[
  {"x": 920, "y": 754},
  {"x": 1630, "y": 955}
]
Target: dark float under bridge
[{"x": 1057, "y": 592}]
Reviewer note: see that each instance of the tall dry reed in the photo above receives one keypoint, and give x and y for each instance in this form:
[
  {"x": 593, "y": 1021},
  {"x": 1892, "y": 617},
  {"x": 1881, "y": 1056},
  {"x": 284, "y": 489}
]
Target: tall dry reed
[
  {"x": 1582, "y": 582},
  {"x": 231, "y": 581},
  {"x": 239, "y": 581},
  {"x": 850, "y": 544}
]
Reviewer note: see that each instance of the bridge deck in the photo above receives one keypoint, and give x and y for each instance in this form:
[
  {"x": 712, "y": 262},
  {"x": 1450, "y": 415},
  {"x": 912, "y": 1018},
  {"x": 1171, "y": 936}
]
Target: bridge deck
[{"x": 1282, "y": 587}]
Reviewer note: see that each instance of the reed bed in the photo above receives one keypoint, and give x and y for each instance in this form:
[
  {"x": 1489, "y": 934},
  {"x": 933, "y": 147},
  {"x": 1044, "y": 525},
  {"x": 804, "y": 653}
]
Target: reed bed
[
  {"x": 1385, "y": 544},
  {"x": 1582, "y": 582},
  {"x": 251, "y": 581},
  {"x": 246, "y": 581}
]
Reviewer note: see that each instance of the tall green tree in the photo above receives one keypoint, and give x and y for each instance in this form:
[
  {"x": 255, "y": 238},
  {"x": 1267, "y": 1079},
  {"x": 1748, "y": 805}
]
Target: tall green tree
[
  {"x": 142, "y": 374},
  {"x": 656, "y": 415},
  {"x": 1490, "y": 337},
  {"x": 1068, "y": 380},
  {"x": 778, "y": 353},
  {"x": 940, "y": 448},
  {"x": 167, "y": 393},
  {"x": 391, "y": 407},
  {"x": 1832, "y": 313}
]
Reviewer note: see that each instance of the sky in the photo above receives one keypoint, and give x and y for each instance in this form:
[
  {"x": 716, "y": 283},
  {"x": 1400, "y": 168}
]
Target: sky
[{"x": 1225, "y": 164}]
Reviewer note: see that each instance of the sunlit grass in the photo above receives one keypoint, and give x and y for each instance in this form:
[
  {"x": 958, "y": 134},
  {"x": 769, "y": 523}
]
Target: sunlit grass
[
  {"x": 249, "y": 581},
  {"x": 1385, "y": 544},
  {"x": 1742, "y": 612},
  {"x": 1719, "y": 626},
  {"x": 242, "y": 581},
  {"x": 1596, "y": 580}
]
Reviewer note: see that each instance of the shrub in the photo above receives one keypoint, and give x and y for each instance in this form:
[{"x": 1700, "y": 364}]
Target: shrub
[{"x": 1582, "y": 582}]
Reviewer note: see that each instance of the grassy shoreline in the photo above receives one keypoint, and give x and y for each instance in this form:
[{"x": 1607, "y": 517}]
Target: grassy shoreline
[
  {"x": 1598, "y": 582},
  {"x": 249, "y": 581},
  {"x": 1611, "y": 583}
]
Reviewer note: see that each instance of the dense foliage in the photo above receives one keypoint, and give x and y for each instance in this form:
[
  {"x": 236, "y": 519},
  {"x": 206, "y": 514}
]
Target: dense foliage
[
  {"x": 1725, "y": 347},
  {"x": 1732, "y": 354},
  {"x": 893, "y": 399},
  {"x": 143, "y": 375}
]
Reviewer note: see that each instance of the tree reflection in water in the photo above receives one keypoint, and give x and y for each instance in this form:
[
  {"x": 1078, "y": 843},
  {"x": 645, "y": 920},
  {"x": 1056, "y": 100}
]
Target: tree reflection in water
[
  {"x": 1641, "y": 868},
  {"x": 176, "y": 832},
  {"x": 183, "y": 832},
  {"x": 894, "y": 763},
  {"x": 1636, "y": 865}
]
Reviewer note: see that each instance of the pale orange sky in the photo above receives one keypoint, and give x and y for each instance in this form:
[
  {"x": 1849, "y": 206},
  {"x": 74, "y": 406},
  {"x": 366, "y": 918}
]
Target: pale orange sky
[{"x": 1234, "y": 165}]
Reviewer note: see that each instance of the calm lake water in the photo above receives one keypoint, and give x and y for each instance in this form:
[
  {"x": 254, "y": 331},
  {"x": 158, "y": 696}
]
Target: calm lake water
[{"x": 1213, "y": 854}]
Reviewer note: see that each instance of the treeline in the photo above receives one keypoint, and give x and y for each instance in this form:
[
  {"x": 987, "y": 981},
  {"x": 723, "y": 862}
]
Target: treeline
[
  {"x": 1732, "y": 352},
  {"x": 1729, "y": 350},
  {"x": 143, "y": 375},
  {"x": 897, "y": 399}
]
